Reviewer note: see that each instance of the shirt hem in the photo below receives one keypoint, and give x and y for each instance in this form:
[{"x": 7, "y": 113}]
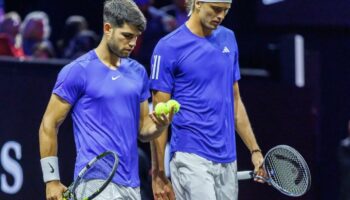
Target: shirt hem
[{"x": 217, "y": 160}]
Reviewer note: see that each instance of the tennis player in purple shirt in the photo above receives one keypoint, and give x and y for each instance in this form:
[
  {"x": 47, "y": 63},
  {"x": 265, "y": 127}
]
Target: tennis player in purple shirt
[
  {"x": 107, "y": 94},
  {"x": 197, "y": 65}
]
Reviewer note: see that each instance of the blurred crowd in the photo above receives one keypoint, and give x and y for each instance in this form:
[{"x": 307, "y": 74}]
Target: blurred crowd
[{"x": 30, "y": 38}]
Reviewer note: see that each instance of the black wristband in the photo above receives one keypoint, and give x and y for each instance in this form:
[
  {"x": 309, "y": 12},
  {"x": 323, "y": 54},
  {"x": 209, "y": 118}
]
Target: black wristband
[{"x": 255, "y": 151}]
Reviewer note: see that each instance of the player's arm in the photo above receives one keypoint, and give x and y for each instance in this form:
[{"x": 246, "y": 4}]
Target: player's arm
[
  {"x": 162, "y": 188},
  {"x": 151, "y": 125},
  {"x": 55, "y": 114},
  {"x": 245, "y": 131}
]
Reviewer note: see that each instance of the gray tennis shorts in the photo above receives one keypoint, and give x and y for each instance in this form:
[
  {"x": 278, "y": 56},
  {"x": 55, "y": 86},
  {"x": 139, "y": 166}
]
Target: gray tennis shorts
[
  {"x": 111, "y": 192},
  {"x": 196, "y": 178}
]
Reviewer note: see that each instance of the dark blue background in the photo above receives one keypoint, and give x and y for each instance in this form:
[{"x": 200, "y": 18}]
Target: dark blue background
[{"x": 312, "y": 119}]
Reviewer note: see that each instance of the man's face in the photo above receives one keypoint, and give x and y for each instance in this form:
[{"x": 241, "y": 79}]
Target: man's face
[
  {"x": 212, "y": 14},
  {"x": 11, "y": 26},
  {"x": 34, "y": 30},
  {"x": 122, "y": 40}
]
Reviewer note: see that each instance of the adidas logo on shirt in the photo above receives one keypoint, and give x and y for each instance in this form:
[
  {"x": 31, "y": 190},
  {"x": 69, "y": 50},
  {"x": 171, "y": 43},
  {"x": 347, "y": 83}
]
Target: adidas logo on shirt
[{"x": 226, "y": 50}]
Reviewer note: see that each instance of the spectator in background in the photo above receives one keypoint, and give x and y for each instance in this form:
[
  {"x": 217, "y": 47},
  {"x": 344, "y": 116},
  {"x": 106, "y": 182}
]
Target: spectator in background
[
  {"x": 83, "y": 42},
  {"x": 43, "y": 50},
  {"x": 156, "y": 28},
  {"x": 34, "y": 30},
  {"x": 344, "y": 163},
  {"x": 9, "y": 37},
  {"x": 178, "y": 11},
  {"x": 73, "y": 25},
  {"x": 10, "y": 26}
]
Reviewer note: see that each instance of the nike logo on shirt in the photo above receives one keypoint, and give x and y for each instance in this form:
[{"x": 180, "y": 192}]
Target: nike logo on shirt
[{"x": 115, "y": 77}]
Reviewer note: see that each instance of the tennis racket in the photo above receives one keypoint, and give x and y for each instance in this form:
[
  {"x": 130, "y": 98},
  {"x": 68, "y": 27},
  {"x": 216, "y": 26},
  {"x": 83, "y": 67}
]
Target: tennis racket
[
  {"x": 286, "y": 170},
  {"x": 93, "y": 178}
]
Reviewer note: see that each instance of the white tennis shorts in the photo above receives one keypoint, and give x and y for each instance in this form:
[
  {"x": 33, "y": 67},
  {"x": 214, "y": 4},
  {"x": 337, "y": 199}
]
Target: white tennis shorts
[
  {"x": 196, "y": 178},
  {"x": 112, "y": 191}
]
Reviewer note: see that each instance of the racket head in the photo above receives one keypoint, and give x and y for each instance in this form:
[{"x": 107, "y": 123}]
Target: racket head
[
  {"x": 94, "y": 177},
  {"x": 287, "y": 170}
]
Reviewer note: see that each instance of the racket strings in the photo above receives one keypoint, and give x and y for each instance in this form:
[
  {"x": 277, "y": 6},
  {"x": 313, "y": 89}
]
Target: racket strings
[
  {"x": 282, "y": 173},
  {"x": 288, "y": 171},
  {"x": 87, "y": 188},
  {"x": 95, "y": 177}
]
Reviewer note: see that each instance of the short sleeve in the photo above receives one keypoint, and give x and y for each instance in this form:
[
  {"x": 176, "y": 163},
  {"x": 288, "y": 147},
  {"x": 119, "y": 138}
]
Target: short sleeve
[
  {"x": 70, "y": 83},
  {"x": 236, "y": 71},
  {"x": 162, "y": 66},
  {"x": 145, "y": 93}
]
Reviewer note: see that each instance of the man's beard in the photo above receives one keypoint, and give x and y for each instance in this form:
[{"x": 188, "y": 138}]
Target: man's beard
[{"x": 115, "y": 52}]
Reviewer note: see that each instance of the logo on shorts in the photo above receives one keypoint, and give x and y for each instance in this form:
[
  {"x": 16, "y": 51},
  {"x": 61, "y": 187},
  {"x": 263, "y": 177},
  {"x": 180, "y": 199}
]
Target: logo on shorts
[{"x": 226, "y": 50}]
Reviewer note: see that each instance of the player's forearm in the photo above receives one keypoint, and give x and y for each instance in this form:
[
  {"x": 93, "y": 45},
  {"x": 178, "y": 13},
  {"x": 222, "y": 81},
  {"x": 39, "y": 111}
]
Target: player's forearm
[
  {"x": 157, "y": 152},
  {"x": 244, "y": 128},
  {"x": 158, "y": 144},
  {"x": 48, "y": 140},
  {"x": 48, "y": 154}
]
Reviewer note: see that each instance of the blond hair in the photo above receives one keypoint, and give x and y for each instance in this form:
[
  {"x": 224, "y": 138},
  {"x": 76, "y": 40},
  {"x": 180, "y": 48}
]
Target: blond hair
[{"x": 190, "y": 4}]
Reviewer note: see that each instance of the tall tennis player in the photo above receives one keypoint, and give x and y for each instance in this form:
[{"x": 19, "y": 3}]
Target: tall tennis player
[{"x": 197, "y": 65}]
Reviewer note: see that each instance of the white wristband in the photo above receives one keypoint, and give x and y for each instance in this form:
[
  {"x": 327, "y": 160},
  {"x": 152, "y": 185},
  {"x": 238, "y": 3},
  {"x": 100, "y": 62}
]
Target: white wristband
[{"x": 49, "y": 166}]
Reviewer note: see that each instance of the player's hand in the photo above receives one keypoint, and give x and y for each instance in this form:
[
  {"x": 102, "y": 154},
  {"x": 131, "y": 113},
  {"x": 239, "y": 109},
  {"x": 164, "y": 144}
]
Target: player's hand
[
  {"x": 54, "y": 190},
  {"x": 162, "y": 121},
  {"x": 162, "y": 188},
  {"x": 260, "y": 173}
]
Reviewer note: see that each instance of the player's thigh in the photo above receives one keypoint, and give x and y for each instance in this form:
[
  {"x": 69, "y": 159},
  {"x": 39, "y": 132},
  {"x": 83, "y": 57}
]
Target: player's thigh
[
  {"x": 226, "y": 186},
  {"x": 129, "y": 193},
  {"x": 87, "y": 188},
  {"x": 174, "y": 174},
  {"x": 133, "y": 193},
  {"x": 192, "y": 177},
  {"x": 111, "y": 192}
]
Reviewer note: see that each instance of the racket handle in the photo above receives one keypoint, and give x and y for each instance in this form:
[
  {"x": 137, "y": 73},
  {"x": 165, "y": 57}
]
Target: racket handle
[{"x": 245, "y": 175}]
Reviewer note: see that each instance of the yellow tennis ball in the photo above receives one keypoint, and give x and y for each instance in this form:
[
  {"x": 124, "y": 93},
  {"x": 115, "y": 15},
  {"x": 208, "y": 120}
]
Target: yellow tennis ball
[
  {"x": 161, "y": 108},
  {"x": 173, "y": 103}
]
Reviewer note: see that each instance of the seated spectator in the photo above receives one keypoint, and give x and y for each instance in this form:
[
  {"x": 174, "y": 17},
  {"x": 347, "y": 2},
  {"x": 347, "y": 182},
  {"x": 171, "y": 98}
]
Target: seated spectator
[
  {"x": 5, "y": 46},
  {"x": 178, "y": 11},
  {"x": 43, "y": 50},
  {"x": 9, "y": 29},
  {"x": 74, "y": 25},
  {"x": 83, "y": 42},
  {"x": 34, "y": 30},
  {"x": 154, "y": 31}
]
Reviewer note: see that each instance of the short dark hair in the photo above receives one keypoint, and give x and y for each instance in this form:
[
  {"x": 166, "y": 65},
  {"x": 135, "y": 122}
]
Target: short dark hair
[{"x": 118, "y": 12}]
